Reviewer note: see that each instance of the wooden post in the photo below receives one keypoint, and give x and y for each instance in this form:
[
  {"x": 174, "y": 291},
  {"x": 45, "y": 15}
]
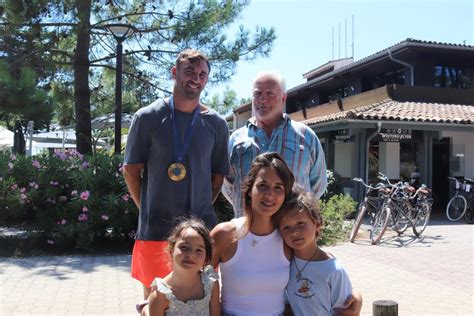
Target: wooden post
[{"x": 385, "y": 308}]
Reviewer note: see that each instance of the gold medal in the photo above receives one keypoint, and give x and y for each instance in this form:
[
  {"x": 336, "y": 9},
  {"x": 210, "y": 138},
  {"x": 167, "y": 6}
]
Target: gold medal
[{"x": 176, "y": 171}]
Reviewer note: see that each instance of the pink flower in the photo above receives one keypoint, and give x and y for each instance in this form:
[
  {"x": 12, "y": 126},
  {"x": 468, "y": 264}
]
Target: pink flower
[
  {"x": 60, "y": 155},
  {"x": 10, "y": 165},
  {"x": 62, "y": 222},
  {"x": 12, "y": 157},
  {"x": 85, "y": 195},
  {"x": 74, "y": 192},
  {"x": 82, "y": 217},
  {"x": 126, "y": 197},
  {"x": 36, "y": 164},
  {"x": 105, "y": 217},
  {"x": 55, "y": 183},
  {"x": 23, "y": 196},
  {"x": 50, "y": 242},
  {"x": 14, "y": 186},
  {"x": 34, "y": 185},
  {"x": 85, "y": 209},
  {"x": 84, "y": 165},
  {"x": 22, "y": 190}
]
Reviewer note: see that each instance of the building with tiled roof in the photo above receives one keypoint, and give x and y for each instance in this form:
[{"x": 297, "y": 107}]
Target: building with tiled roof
[{"x": 406, "y": 110}]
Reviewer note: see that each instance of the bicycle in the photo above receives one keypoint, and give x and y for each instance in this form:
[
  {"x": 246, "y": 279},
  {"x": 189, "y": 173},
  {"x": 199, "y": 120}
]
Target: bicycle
[
  {"x": 461, "y": 201},
  {"x": 410, "y": 208},
  {"x": 372, "y": 202},
  {"x": 406, "y": 207},
  {"x": 469, "y": 215}
]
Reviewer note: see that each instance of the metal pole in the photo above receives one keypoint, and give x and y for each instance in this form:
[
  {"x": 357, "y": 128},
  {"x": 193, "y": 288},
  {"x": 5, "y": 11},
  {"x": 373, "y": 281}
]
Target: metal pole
[
  {"x": 118, "y": 100},
  {"x": 30, "y": 137}
]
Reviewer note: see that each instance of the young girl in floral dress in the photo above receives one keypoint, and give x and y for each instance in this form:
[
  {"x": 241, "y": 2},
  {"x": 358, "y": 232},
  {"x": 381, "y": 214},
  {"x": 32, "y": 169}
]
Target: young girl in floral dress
[{"x": 192, "y": 287}]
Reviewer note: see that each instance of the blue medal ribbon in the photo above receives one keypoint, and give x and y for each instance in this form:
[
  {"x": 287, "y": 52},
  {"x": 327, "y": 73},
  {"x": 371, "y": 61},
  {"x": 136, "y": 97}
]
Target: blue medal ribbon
[{"x": 180, "y": 149}]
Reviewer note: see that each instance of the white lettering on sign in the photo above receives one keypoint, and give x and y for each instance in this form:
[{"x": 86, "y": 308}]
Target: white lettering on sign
[{"x": 395, "y": 134}]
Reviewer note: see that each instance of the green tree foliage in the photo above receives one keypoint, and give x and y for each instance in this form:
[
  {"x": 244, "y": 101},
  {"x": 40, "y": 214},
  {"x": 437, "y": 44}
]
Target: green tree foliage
[
  {"x": 21, "y": 98},
  {"x": 66, "y": 42},
  {"x": 225, "y": 104}
]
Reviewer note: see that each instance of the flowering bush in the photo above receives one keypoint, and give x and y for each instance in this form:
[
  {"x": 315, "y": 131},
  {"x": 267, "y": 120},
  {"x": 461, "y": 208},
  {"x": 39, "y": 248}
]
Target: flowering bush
[{"x": 67, "y": 200}]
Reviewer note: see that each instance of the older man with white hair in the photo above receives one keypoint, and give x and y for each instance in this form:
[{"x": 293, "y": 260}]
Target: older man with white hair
[{"x": 272, "y": 130}]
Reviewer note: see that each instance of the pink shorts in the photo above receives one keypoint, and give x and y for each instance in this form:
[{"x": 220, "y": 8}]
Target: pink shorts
[{"x": 150, "y": 260}]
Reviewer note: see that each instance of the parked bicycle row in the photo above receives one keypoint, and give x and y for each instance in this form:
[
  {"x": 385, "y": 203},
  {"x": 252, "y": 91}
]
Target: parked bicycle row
[{"x": 398, "y": 205}]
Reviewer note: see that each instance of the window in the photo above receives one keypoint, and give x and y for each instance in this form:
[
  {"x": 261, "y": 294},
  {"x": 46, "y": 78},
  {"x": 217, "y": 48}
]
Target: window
[
  {"x": 396, "y": 76},
  {"x": 453, "y": 77}
]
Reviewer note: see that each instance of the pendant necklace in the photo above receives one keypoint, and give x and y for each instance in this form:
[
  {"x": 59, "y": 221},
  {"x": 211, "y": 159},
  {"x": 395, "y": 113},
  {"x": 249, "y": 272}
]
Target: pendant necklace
[
  {"x": 256, "y": 241},
  {"x": 298, "y": 275}
]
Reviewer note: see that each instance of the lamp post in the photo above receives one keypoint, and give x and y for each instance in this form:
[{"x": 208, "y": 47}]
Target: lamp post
[{"x": 120, "y": 32}]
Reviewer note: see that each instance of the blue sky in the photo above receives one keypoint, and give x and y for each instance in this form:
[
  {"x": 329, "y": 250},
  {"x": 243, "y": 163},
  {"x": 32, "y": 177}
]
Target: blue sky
[{"x": 304, "y": 32}]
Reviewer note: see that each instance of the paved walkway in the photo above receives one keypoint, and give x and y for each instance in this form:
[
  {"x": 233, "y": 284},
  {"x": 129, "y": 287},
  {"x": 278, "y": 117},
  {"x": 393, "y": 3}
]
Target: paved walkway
[
  {"x": 432, "y": 275},
  {"x": 428, "y": 276}
]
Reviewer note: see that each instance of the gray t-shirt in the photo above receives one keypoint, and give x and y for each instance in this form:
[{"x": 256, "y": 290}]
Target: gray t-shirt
[{"x": 163, "y": 201}]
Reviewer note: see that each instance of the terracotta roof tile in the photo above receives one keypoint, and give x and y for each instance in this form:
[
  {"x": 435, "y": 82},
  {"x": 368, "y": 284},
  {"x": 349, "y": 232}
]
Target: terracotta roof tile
[{"x": 392, "y": 110}]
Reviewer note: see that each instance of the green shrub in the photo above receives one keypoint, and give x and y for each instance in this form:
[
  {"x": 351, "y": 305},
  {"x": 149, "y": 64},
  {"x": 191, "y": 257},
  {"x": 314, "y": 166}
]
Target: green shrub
[
  {"x": 70, "y": 201},
  {"x": 66, "y": 201},
  {"x": 335, "y": 185},
  {"x": 334, "y": 211}
]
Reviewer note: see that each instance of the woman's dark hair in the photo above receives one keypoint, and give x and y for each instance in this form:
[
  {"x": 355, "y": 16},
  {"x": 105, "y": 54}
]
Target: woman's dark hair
[
  {"x": 200, "y": 228},
  {"x": 265, "y": 160}
]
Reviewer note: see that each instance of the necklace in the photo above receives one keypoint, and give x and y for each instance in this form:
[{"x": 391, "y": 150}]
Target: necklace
[
  {"x": 256, "y": 241},
  {"x": 298, "y": 275}
]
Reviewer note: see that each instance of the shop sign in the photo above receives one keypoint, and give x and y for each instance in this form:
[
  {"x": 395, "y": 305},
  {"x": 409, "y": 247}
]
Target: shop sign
[
  {"x": 342, "y": 134},
  {"x": 395, "y": 134}
]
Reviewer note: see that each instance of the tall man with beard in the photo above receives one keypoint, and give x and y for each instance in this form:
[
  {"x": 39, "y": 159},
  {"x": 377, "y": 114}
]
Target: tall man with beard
[{"x": 175, "y": 161}]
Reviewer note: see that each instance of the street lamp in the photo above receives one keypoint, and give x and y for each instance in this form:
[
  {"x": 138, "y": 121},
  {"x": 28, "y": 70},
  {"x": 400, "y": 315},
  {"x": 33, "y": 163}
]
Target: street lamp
[{"x": 120, "y": 32}]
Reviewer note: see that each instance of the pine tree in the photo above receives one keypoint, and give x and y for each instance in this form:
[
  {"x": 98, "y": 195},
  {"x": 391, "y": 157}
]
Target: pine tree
[{"x": 67, "y": 43}]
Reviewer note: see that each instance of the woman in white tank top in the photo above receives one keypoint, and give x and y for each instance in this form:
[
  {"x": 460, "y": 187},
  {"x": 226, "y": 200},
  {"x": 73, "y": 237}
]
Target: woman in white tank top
[
  {"x": 254, "y": 263},
  {"x": 253, "y": 260}
]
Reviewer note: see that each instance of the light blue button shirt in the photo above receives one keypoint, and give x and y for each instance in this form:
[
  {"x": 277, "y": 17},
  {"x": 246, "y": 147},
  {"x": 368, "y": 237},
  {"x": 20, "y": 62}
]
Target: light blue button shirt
[{"x": 294, "y": 141}]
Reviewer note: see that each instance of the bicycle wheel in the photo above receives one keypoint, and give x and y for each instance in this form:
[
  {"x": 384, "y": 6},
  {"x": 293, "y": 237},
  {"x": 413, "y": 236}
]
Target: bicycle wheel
[
  {"x": 402, "y": 218},
  {"x": 361, "y": 211},
  {"x": 380, "y": 224},
  {"x": 469, "y": 215},
  {"x": 456, "y": 208},
  {"x": 422, "y": 218}
]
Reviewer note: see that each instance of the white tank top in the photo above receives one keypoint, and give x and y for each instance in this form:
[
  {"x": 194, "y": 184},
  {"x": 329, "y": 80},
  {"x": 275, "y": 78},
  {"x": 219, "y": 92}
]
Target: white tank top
[{"x": 254, "y": 279}]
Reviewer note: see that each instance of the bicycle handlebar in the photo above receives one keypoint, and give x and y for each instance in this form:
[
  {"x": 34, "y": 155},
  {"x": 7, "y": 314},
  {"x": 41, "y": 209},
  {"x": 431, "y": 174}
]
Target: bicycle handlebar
[
  {"x": 378, "y": 186},
  {"x": 383, "y": 177},
  {"x": 464, "y": 180}
]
